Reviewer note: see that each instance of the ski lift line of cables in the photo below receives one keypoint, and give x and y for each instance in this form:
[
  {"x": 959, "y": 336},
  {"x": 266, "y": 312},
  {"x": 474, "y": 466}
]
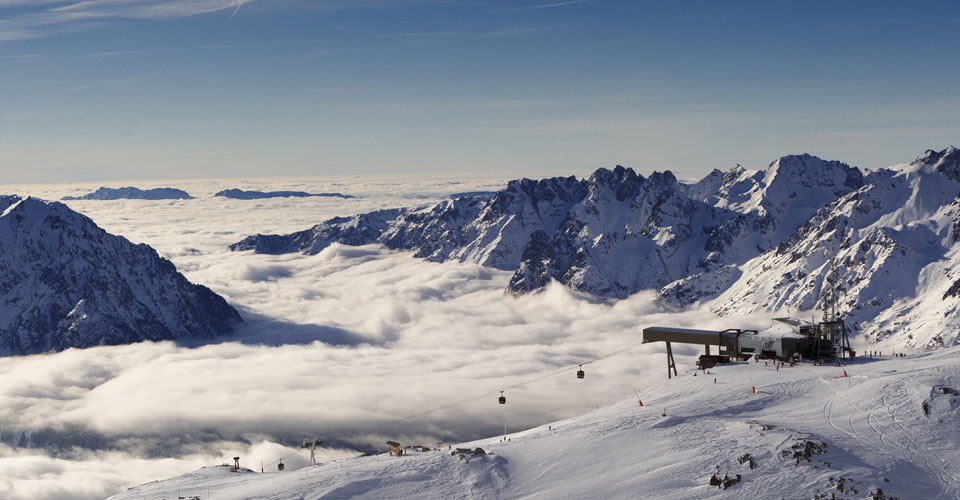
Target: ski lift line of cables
[
  {"x": 495, "y": 392},
  {"x": 515, "y": 386},
  {"x": 297, "y": 453},
  {"x": 579, "y": 401}
]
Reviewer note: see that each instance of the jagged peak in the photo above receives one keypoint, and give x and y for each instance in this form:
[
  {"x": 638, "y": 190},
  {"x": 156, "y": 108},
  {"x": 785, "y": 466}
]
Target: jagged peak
[
  {"x": 797, "y": 157},
  {"x": 805, "y": 160},
  {"x": 931, "y": 156},
  {"x": 810, "y": 166},
  {"x": 527, "y": 183},
  {"x": 624, "y": 181},
  {"x": 533, "y": 191},
  {"x": 714, "y": 173},
  {"x": 616, "y": 174},
  {"x": 663, "y": 178},
  {"x": 945, "y": 162},
  {"x": 733, "y": 174}
]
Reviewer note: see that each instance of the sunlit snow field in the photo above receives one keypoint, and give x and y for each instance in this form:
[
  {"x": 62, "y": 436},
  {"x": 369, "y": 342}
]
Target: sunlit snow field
[{"x": 342, "y": 345}]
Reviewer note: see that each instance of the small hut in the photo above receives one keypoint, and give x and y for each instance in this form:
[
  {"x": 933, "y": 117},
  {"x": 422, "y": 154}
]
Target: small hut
[{"x": 395, "y": 448}]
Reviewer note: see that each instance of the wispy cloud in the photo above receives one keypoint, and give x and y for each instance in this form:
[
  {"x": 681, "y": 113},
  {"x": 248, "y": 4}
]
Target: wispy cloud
[
  {"x": 218, "y": 46},
  {"x": 508, "y": 31},
  {"x": 74, "y": 89},
  {"x": 336, "y": 50},
  {"x": 543, "y": 5},
  {"x": 429, "y": 34},
  {"x": 29, "y": 19},
  {"x": 239, "y": 4},
  {"x": 116, "y": 53},
  {"x": 512, "y": 31}
]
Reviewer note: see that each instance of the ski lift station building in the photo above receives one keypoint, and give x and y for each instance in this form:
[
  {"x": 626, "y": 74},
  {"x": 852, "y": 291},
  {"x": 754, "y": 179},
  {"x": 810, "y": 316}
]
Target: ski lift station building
[{"x": 780, "y": 343}]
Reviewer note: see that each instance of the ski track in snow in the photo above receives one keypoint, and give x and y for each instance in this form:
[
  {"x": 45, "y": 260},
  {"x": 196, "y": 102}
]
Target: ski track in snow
[{"x": 894, "y": 449}]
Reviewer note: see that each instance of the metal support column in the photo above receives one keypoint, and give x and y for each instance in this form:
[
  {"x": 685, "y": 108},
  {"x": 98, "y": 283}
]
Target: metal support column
[{"x": 670, "y": 361}]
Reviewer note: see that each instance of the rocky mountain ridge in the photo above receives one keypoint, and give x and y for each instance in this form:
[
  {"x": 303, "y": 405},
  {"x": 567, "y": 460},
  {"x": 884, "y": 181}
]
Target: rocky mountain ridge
[
  {"x": 741, "y": 240},
  {"x": 239, "y": 194}
]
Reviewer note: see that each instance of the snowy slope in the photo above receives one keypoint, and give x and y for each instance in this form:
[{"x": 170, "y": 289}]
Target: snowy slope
[
  {"x": 64, "y": 282},
  {"x": 890, "y": 425}
]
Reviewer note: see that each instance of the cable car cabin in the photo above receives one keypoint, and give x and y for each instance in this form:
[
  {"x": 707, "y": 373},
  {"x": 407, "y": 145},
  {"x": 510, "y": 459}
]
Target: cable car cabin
[
  {"x": 580, "y": 372},
  {"x": 503, "y": 399},
  {"x": 280, "y": 466}
]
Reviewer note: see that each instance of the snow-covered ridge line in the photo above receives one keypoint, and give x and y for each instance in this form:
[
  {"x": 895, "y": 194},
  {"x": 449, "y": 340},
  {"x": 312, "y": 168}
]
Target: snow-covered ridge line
[
  {"x": 65, "y": 282},
  {"x": 744, "y": 240}
]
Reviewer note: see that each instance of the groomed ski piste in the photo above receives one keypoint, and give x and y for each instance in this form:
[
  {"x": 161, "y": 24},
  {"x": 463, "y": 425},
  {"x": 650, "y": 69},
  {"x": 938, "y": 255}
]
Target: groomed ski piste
[{"x": 877, "y": 428}]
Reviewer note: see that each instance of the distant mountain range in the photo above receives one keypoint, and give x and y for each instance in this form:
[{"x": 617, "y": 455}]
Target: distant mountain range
[
  {"x": 239, "y": 194},
  {"x": 742, "y": 240},
  {"x": 132, "y": 193},
  {"x": 65, "y": 282}
]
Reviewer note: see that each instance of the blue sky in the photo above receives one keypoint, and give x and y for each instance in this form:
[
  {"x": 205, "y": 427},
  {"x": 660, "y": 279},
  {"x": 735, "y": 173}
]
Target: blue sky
[{"x": 128, "y": 89}]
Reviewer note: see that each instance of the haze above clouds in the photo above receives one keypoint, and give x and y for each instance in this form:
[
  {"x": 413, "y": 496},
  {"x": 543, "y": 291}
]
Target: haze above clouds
[{"x": 342, "y": 344}]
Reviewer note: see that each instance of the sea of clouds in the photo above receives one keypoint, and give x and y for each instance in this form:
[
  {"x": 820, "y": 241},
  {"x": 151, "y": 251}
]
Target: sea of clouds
[{"x": 351, "y": 345}]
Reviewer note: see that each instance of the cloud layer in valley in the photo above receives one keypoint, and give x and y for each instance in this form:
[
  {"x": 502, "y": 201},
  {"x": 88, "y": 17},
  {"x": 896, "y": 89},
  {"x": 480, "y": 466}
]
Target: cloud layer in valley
[{"x": 345, "y": 344}]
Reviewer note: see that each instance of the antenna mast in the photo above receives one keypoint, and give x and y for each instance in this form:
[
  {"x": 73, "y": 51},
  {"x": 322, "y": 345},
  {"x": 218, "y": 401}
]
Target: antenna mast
[{"x": 830, "y": 288}]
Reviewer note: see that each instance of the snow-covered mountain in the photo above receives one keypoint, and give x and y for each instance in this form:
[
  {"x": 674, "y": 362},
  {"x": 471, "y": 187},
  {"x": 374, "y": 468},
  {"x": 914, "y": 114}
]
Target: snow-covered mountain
[
  {"x": 239, "y": 194},
  {"x": 613, "y": 234},
  {"x": 747, "y": 240},
  {"x": 65, "y": 282},
  {"x": 886, "y": 431},
  {"x": 894, "y": 244}
]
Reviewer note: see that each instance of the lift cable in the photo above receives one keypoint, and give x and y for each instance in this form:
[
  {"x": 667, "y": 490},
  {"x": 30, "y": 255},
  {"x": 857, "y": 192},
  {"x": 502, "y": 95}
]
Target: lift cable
[
  {"x": 518, "y": 385},
  {"x": 579, "y": 401},
  {"x": 515, "y": 386}
]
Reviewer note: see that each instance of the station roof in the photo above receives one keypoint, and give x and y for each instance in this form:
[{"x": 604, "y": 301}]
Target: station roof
[{"x": 685, "y": 335}]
